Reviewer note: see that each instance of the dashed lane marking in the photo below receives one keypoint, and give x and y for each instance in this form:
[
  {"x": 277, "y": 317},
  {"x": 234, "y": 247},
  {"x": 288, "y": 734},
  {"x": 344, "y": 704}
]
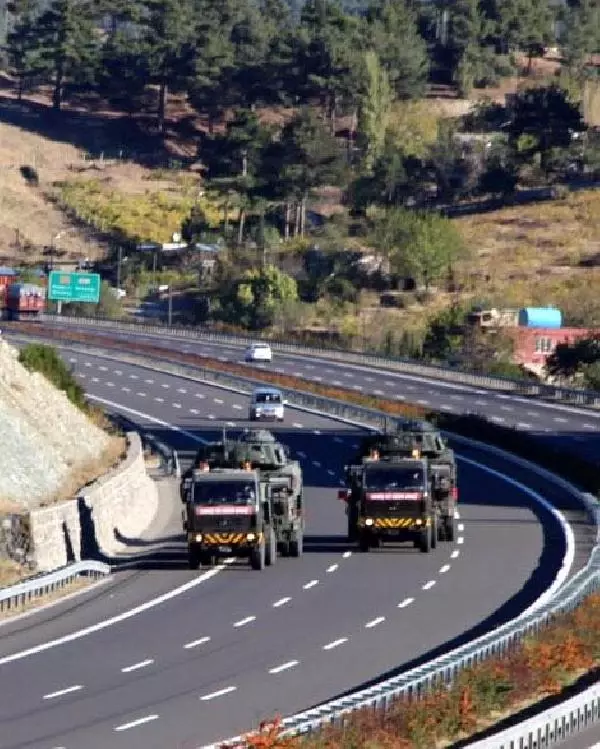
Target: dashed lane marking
[
  {"x": 62, "y": 692},
  {"x": 428, "y": 585},
  {"x": 110, "y": 384},
  {"x": 159, "y": 400},
  {"x": 406, "y": 602},
  {"x": 103, "y": 369},
  {"x": 316, "y": 464},
  {"x": 310, "y": 585},
  {"x": 149, "y": 382},
  {"x": 126, "y": 390},
  {"x": 196, "y": 643},
  {"x": 346, "y": 554},
  {"x": 444, "y": 569},
  {"x": 200, "y": 395},
  {"x": 332, "y": 567},
  {"x": 423, "y": 402},
  {"x": 455, "y": 554},
  {"x": 136, "y": 723},
  {"x": 335, "y": 643},
  {"x": 461, "y": 527},
  {"x": 142, "y": 395},
  {"x": 182, "y": 390},
  {"x": 375, "y": 622},
  {"x": 218, "y": 401},
  {"x": 118, "y": 372},
  {"x": 460, "y": 540},
  {"x": 194, "y": 411},
  {"x": 137, "y": 666},
  {"x": 212, "y": 417},
  {"x": 330, "y": 472},
  {"x": 176, "y": 405},
  {"x": 243, "y": 622},
  {"x": 283, "y": 667},
  {"x": 236, "y": 406},
  {"x": 317, "y": 431},
  {"x": 296, "y": 425},
  {"x": 219, "y": 693},
  {"x": 282, "y": 602}
]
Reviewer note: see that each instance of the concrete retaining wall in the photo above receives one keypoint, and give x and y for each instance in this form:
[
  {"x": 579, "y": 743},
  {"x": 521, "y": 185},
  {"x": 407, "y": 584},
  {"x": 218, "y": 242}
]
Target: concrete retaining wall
[{"x": 98, "y": 523}]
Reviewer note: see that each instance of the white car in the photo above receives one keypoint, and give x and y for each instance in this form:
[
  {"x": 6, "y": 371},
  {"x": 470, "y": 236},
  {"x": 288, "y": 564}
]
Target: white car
[
  {"x": 266, "y": 403},
  {"x": 258, "y": 352}
]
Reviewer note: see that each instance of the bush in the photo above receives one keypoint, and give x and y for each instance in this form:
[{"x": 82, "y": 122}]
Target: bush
[{"x": 44, "y": 359}]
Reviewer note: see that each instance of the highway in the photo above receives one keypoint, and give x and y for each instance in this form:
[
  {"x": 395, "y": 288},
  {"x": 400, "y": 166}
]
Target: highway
[
  {"x": 574, "y": 429},
  {"x": 233, "y": 646}
]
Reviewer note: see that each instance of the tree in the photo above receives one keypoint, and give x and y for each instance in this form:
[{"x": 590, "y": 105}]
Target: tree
[
  {"x": 68, "y": 45},
  {"x": 374, "y": 110},
  {"x": 170, "y": 41},
  {"x": 581, "y": 36},
  {"x": 543, "y": 119},
  {"x": 258, "y": 297},
  {"x": 466, "y": 44},
  {"x": 569, "y": 359},
  {"x": 525, "y": 25},
  {"x": 23, "y": 49},
  {"x": 394, "y": 35},
  {"x": 423, "y": 246}
]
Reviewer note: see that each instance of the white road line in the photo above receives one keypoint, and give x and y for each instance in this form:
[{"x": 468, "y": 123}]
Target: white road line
[
  {"x": 118, "y": 372},
  {"x": 444, "y": 569},
  {"x": 133, "y": 377},
  {"x": 316, "y": 464},
  {"x": 378, "y": 392},
  {"x": 212, "y": 417},
  {"x": 406, "y": 602},
  {"x": 196, "y": 643},
  {"x": 236, "y": 406},
  {"x": 460, "y": 540},
  {"x": 423, "y": 402},
  {"x": 200, "y": 395},
  {"x": 194, "y": 411},
  {"x": 103, "y": 369},
  {"x": 332, "y": 567},
  {"x": 428, "y": 585},
  {"x": 283, "y": 667},
  {"x": 219, "y": 401},
  {"x": 330, "y": 472},
  {"x": 310, "y": 585},
  {"x": 317, "y": 431},
  {"x": 498, "y": 419},
  {"x": 126, "y": 390},
  {"x": 138, "y": 722},
  {"x": 338, "y": 439},
  {"x": 181, "y": 390},
  {"x": 61, "y": 692},
  {"x": 375, "y": 622},
  {"x": 72, "y": 360},
  {"x": 282, "y": 602},
  {"x": 346, "y": 555},
  {"x": 457, "y": 514},
  {"x": 110, "y": 384},
  {"x": 523, "y": 425},
  {"x": 357, "y": 387},
  {"x": 165, "y": 385},
  {"x": 149, "y": 382},
  {"x": 137, "y": 666},
  {"x": 243, "y": 622},
  {"x": 335, "y": 643},
  {"x": 220, "y": 693},
  {"x": 142, "y": 395},
  {"x": 301, "y": 454},
  {"x": 296, "y": 425},
  {"x": 176, "y": 405},
  {"x": 507, "y": 408},
  {"x": 461, "y": 527},
  {"x": 560, "y": 419},
  {"x": 95, "y": 379},
  {"x": 455, "y": 554},
  {"x": 160, "y": 400}
]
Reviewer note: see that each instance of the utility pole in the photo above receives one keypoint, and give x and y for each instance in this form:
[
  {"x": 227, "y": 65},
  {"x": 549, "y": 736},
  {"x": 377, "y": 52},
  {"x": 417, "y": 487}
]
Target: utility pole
[
  {"x": 119, "y": 261},
  {"x": 170, "y": 318}
]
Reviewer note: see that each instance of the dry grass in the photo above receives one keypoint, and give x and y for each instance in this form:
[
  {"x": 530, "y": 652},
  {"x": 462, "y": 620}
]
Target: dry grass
[
  {"x": 76, "y": 585},
  {"x": 89, "y": 471},
  {"x": 11, "y": 573},
  {"x": 547, "y": 253}
]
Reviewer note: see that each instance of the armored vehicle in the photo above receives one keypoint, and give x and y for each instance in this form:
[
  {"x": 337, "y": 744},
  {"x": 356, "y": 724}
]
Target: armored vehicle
[
  {"x": 228, "y": 512},
  {"x": 390, "y": 500},
  {"x": 416, "y": 438}
]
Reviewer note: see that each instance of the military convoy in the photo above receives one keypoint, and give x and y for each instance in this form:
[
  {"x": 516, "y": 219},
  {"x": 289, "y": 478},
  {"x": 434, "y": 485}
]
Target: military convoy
[
  {"x": 243, "y": 496},
  {"x": 402, "y": 486}
]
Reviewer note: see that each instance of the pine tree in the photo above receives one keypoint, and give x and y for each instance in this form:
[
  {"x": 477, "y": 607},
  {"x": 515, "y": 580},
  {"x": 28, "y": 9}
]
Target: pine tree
[{"x": 374, "y": 111}]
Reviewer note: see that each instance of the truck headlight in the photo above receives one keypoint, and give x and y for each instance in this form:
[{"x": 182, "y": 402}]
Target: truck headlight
[
  {"x": 198, "y": 538},
  {"x": 369, "y": 521},
  {"x": 250, "y": 536}
]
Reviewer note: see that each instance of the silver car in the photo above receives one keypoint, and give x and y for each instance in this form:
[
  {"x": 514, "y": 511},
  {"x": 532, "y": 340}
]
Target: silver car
[{"x": 266, "y": 403}]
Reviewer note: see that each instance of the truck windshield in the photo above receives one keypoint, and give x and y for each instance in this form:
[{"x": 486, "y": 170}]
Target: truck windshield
[
  {"x": 394, "y": 478},
  {"x": 267, "y": 398},
  {"x": 239, "y": 493}
]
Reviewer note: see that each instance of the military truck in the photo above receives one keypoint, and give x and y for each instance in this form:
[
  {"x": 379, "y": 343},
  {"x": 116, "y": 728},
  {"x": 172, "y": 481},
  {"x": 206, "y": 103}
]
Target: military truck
[
  {"x": 417, "y": 438},
  {"x": 389, "y": 499},
  {"x": 271, "y": 459},
  {"x": 228, "y": 512},
  {"x": 260, "y": 449}
]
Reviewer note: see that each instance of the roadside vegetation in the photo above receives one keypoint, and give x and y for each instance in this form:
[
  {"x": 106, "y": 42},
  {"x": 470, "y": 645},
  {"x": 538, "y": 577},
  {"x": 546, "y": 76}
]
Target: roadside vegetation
[{"x": 313, "y": 154}]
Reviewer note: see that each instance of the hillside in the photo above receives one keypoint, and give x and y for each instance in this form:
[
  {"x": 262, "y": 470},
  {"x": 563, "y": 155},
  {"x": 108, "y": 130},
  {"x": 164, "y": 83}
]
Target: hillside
[{"x": 49, "y": 447}]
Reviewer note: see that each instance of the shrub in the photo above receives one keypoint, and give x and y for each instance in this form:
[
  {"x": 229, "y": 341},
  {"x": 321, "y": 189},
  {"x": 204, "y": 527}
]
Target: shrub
[{"x": 46, "y": 360}]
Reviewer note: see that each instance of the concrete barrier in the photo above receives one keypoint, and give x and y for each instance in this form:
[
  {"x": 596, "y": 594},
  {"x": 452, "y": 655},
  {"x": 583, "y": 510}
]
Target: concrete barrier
[{"x": 103, "y": 518}]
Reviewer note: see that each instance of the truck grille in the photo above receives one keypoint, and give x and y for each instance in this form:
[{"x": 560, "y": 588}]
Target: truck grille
[
  {"x": 404, "y": 509},
  {"x": 225, "y": 523}
]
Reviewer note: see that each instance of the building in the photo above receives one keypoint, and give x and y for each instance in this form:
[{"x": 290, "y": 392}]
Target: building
[{"x": 533, "y": 346}]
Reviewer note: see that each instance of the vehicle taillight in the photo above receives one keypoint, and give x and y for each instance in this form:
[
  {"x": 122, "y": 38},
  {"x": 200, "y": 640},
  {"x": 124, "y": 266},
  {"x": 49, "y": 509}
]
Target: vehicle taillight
[{"x": 455, "y": 493}]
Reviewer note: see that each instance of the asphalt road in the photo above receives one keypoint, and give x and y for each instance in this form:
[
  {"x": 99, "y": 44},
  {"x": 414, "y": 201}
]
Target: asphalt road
[
  {"x": 239, "y": 646},
  {"x": 574, "y": 429}
]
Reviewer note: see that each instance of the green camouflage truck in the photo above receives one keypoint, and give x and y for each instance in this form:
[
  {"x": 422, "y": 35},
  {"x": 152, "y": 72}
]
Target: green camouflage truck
[
  {"x": 417, "y": 438},
  {"x": 390, "y": 500},
  {"x": 229, "y": 512}
]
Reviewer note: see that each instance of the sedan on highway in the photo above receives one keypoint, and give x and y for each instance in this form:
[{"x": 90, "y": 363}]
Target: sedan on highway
[
  {"x": 258, "y": 352},
  {"x": 266, "y": 403}
]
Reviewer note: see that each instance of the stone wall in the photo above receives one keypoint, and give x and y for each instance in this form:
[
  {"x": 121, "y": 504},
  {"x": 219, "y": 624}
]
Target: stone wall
[{"x": 101, "y": 519}]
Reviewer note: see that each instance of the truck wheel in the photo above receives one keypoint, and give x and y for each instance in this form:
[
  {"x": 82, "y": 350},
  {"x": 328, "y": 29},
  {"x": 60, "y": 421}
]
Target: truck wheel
[
  {"x": 257, "y": 556},
  {"x": 352, "y": 529},
  {"x": 271, "y": 550},
  {"x": 435, "y": 531},
  {"x": 441, "y": 530},
  {"x": 193, "y": 558},
  {"x": 450, "y": 529},
  {"x": 284, "y": 548},
  {"x": 364, "y": 542},
  {"x": 297, "y": 544},
  {"x": 425, "y": 540}
]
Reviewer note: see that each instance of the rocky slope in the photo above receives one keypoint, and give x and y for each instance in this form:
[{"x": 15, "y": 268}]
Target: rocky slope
[{"x": 48, "y": 447}]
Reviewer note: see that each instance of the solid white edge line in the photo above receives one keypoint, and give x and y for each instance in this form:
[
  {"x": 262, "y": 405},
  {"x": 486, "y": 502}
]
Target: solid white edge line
[{"x": 138, "y": 722}]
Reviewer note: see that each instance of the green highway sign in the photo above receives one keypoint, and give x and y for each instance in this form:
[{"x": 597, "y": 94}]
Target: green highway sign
[{"x": 74, "y": 287}]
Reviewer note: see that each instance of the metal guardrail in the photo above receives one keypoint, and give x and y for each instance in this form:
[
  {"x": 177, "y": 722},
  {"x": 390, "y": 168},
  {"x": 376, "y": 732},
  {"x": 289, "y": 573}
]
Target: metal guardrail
[
  {"x": 17, "y": 596},
  {"x": 407, "y": 366},
  {"x": 442, "y": 670}
]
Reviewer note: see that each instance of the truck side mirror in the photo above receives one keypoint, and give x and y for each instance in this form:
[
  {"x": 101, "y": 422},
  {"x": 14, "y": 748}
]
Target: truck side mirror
[{"x": 343, "y": 495}]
